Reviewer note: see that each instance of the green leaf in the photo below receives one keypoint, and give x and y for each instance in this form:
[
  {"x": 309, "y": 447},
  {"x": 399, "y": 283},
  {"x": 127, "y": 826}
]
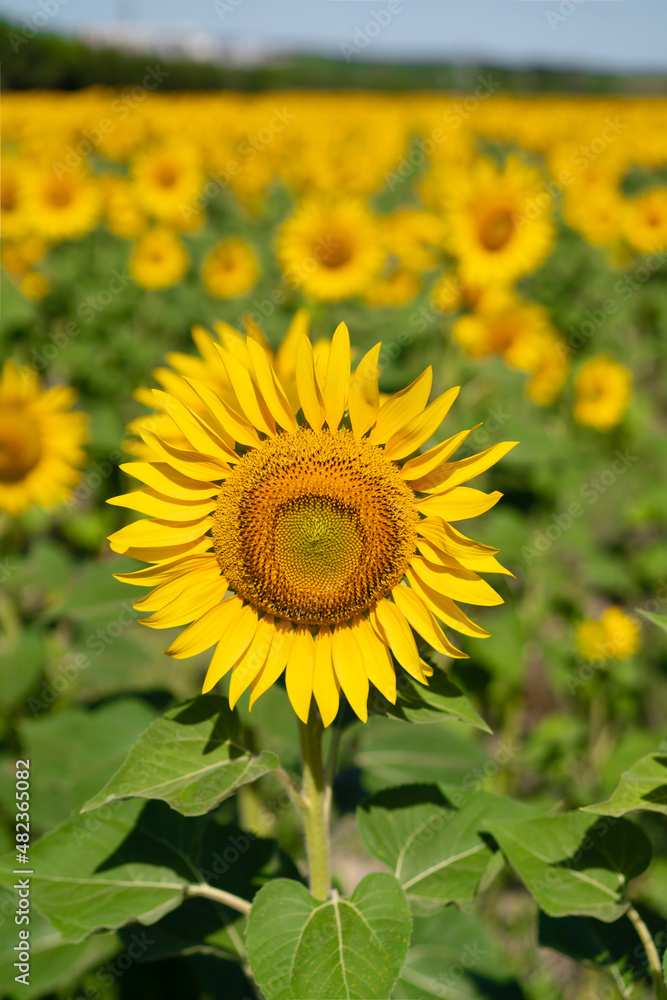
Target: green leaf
[
  {"x": 659, "y": 620},
  {"x": 54, "y": 962},
  {"x": 90, "y": 746},
  {"x": 390, "y": 754},
  {"x": 20, "y": 666},
  {"x": 301, "y": 948},
  {"x": 129, "y": 863},
  {"x": 573, "y": 866},
  {"x": 644, "y": 786},
  {"x": 441, "y": 699},
  {"x": 452, "y": 957},
  {"x": 434, "y": 850},
  {"x": 615, "y": 946},
  {"x": 192, "y": 758}
]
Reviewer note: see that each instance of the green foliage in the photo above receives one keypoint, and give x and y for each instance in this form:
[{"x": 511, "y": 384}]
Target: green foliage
[{"x": 644, "y": 786}]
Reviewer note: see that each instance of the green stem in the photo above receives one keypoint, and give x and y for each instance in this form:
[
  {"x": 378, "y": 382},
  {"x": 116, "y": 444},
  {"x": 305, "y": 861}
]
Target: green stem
[
  {"x": 651, "y": 952},
  {"x": 314, "y": 807}
]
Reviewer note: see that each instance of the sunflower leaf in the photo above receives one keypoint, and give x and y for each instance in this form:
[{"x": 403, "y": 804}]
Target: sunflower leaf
[
  {"x": 192, "y": 758},
  {"x": 572, "y": 866},
  {"x": 300, "y": 948},
  {"x": 441, "y": 699},
  {"x": 643, "y": 786},
  {"x": 659, "y": 620}
]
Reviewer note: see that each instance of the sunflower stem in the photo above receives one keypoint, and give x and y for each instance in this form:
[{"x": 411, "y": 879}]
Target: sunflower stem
[
  {"x": 315, "y": 807},
  {"x": 651, "y": 952}
]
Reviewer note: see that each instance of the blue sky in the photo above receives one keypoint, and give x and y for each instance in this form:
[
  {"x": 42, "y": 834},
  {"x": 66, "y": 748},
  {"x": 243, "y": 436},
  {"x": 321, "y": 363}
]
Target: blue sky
[{"x": 614, "y": 35}]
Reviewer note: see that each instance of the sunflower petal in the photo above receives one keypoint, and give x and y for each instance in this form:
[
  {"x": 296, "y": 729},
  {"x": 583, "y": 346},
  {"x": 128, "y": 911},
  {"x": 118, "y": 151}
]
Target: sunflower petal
[
  {"x": 246, "y": 669},
  {"x": 270, "y": 388},
  {"x": 168, "y": 481},
  {"x": 286, "y": 356},
  {"x": 422, "y": 621},
  {"x": 458, "y": 504},
  {"x": 420, "y": 428},
  {"x": 326, "y": 686},
  {"x": 200, "y": 574},
  {"x": 188, "y": 463},
  {"x": 376, "y": 658},
  {"x": 337, "y": 380},
  {"x": 207, "y": 630},
  {"x": 154, "y": 534},
  {"x": 187, "y": 606},
  {"x": 202, "y": 439},
  {"x": 350, "y": 670},
  {"x": 233, "y": 423},
  {"x": 364, "y": 399},
  {"x": 151, "y": 502},
  {"x": 277, "y": 658},
  {"x": 235, "y": 641},
  {"x": 392, "y": 627},
  {"x": 299, "y": 672},
  {"x": 401, "y": 408},
  {"x": 418, "y": 468},
  {"x": 248, "y": 394},
  {"x": 451, "y": 474},
  {"x": 308, "y": 385},
  {"x": 458, "y": 584}
]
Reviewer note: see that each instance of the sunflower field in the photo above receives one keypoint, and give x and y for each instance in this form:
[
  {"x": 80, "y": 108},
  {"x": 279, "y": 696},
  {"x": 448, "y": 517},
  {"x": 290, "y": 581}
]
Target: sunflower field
[{"x": 364, "y": 396}]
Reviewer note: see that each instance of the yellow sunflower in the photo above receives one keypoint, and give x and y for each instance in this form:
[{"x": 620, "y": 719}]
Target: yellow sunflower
[
  {"x": 393, "y": 290},
  {"x": 12, "y": 200},
  {"x": 603, "y": 388},
  {"x": 40, "y": 441},
  {"x": 303, "y": 538},
  {"x": 332, "y": 251},
  {"x": 167, "y": 182},
  {"x": 61, "y": 208},
  {"x": 230, "y": 269},
  {"x": 499, "y": 221},
  {"x": 645, "y": 221},
  {"x": 159, "y": 259}
]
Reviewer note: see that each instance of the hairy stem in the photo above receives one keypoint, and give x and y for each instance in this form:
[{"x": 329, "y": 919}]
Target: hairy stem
[
  {"x": 315, "y": 807},
  {"x": 219, "y": 896},
  {"x": 651, "y": 952}
]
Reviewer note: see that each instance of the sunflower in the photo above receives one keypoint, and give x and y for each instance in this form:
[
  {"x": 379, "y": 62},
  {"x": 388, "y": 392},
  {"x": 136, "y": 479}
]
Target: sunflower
[
  {"x": 62, "y": 207},
  {"x": 332, "y": 251},
  {"x": 230, "y": 269},
  {"x": 603, "y": 388},
  {"x": 393, "y": 289},
  {"x": 167, "y": 182},
  {"x": 499, "y": 221},
  {"x": 302, "y": 538},
  {"x": 615, "y": 636},
  {"x": 40, "y": 441},
  {"x": 645, "y": 221},
  {"x": 159, "y": 259},
  {"x": 12, "y": 200}
]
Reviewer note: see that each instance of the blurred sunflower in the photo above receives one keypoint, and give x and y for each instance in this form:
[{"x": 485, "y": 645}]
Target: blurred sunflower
[
  {"x": 603, "y": 388},
  {"x": 40, "y": 441},
  {"x": 159, "y": 259},
  {"x": 392, "y": 290},
  {"x": 12, "y": 201},
  {"x": 499, "y": 221},
  {"x": 167, "y": 181},
  {"x": 332, "y": 251},
  {"x": 35, "y": 286},
  {"x": 18, "y": 257},
  {"x": 230, "y": 268},
  {"x": 62, "y": 207},
  {"x": 645, "y": 222},
  {"x": 334, "y": 544},
  {"x": 123, "y": 215},
  {"x": 616, "y": 636}
]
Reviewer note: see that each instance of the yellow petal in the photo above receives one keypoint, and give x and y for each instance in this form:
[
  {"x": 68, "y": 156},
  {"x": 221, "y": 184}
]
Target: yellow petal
[
  {"x": 151, "y": 502},
  {"x": 451, "y": 474},
  {"x": 337, "y": 381},
  {"x": 168, "y": 481},
  {"x": 376, "y": 658},
  {"x": 419, "y": 467},
  {"x": 162, "y": 554},
  {"x": 247, "y": 393},
  {"x": 445, "y": 609},
  {"x": 325, "y": 683},
  {"x": 189, "y": 605},
  {"x": 154, "y": 534},
  {"x": 270, "y": 388},
  {"x": 153, "y": 575},
  {"x": 233, "y": 423},
  {"x": 458, "y": 504},
  {"x": 391, "y": 626},
  {"x": 420, "y": 428},
  {"x": 275, "y": 664},
  {"x": 207, "y": 630},
  {"x": 299, "y": 673},
  {"x": 402, "y": 407},
  {"x": 201, "y": 438},
  {"x": 286, "y": 356},
  {"x": 188, "y": 463},
  {"x": 250, "y": 664},
  {"x": 459, "y": 585},
  {"x": 308, "y": 385},
  {"x": 348, "y": 663},
  {"x": 364, "y": 399},
  {"x": 423, "y": 622},
  {"x": 200, "y": 573},
  {"x": 235, "y": 641}
]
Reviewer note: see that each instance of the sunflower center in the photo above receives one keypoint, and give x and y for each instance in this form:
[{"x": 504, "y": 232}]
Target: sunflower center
[
  {"x": 20, "y": 446},
  {"x": 166, "y": 175},
  {"x": 495, "y": 229},
  {"x": 314, "y": 527},
  {"x": 60, "y": 196},
  {"x": 337, "y": 253}
]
